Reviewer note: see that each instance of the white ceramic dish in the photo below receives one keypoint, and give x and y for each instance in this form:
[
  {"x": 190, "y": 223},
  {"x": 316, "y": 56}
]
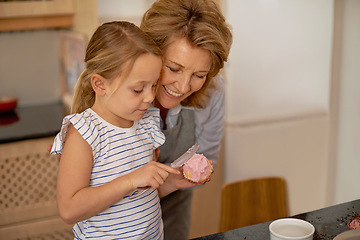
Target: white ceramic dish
[
  {"x": 349, "y": 235},
  {"x": 291, "y": 229}
]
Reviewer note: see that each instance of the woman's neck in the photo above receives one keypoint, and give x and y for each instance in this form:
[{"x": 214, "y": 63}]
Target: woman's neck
[{"x": 163, "y": 112}]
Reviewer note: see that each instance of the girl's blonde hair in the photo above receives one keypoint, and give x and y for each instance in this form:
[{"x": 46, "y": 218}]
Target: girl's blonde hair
[
  {"x": 201, "y": 23},
  {"x": 111, "y": 52}
]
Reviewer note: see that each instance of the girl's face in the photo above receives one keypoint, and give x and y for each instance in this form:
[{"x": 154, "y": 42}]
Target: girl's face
[
  {"x": 184, "y": 72},
  {"x": 133, "y": 97}
]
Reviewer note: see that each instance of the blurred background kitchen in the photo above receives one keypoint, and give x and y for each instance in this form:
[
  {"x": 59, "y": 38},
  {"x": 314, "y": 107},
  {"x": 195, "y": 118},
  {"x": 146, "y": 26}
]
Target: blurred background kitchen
[{"x": 293, "y": 81}]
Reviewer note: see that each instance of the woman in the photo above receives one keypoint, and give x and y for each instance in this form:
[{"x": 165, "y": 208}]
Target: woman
[{"x": 195, "y": 41}]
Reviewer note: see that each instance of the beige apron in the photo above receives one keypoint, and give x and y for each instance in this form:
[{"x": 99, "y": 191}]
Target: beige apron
[{"x": 176, "y": 207}]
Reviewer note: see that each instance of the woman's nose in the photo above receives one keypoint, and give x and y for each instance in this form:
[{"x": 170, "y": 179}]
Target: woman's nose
[{"x": 184, "y": 84}]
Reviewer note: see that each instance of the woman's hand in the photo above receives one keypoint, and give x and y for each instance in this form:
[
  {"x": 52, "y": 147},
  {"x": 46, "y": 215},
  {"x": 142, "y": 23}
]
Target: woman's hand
[
  {"x": 173, "y": 183},
  {"x": 176, "y": 182}
]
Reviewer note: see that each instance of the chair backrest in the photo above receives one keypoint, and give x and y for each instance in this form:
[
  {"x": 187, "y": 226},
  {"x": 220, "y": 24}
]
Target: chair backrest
[{"x": 252, "y": 201}]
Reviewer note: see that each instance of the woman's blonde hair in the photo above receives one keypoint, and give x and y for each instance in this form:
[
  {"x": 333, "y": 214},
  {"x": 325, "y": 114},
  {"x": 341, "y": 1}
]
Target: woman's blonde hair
[
  {"x": 201, "y": 23},
  {"x": 111, "y": 52}
]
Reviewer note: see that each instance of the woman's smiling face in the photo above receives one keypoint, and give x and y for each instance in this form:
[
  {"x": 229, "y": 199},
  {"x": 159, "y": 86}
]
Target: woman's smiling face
[{"x": 184, "y": 72}]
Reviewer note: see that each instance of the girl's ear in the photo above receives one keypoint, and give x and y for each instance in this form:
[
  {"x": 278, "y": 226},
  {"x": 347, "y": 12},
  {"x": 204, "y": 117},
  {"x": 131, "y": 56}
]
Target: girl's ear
[{"x": 98, "y": 84}]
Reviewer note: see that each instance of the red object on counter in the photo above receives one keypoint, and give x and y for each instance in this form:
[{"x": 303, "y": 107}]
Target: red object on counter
[{"x": 8, "y": 104}]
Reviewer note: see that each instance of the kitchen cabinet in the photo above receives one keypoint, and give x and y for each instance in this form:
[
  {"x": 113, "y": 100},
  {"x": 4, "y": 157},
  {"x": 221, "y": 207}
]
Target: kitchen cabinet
[
  {"x": 31, "y": 15},
  {"x": 28, "y": 174},
  {"x": 28, "y": 192}
]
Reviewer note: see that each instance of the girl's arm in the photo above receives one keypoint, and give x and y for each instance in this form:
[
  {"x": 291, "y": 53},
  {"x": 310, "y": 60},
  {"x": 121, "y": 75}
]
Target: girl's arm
[{"x": 77, "y": 201}]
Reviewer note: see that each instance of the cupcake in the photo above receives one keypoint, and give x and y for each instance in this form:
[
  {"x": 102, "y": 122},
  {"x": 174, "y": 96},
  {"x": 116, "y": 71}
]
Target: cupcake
[
  {"x": 354, "y": 223},
  {"x": 197, "y": 169}
]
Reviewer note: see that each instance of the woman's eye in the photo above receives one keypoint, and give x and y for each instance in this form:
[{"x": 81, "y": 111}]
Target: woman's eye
[
  {"x": 173, "y": 69},
  {"x": 200, "y": 76},
  {"x": 138, "y": 90}
]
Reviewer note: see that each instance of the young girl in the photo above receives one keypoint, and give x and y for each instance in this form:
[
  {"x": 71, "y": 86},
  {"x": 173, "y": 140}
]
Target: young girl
[{"x": 107, "y": 143}]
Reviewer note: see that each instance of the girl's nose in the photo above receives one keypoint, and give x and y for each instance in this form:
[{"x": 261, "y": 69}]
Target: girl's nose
[{"x": 149, "y": 95}]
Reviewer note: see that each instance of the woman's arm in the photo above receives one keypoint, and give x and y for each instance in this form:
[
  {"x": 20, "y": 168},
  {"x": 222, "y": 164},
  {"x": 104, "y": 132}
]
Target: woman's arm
[
  {"x": 173, "y": 183},
  {"x": 210, "y": 122},
  {"x": 77, "y": 201}
]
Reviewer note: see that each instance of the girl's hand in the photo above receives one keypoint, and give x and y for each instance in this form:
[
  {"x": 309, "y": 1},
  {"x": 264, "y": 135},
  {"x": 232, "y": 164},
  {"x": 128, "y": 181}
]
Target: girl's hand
[
  {"x": 153, "y": 175},
  {"x": 156, "y": 154}
]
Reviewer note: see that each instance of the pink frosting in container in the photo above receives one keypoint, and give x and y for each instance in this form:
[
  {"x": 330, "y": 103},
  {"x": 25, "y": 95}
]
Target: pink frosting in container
[
  {"x": 354, "y": 223},
  {"x": 197, "y": 169}
]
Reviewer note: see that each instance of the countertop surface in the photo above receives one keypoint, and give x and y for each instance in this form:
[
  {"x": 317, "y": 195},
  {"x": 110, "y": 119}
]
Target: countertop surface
[
  {"x": 328, "y": 222},
  {"x": 31, "y": 122}
]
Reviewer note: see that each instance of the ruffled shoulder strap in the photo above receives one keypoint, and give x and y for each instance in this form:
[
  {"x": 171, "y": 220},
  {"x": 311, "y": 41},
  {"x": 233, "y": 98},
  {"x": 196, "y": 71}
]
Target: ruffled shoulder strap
[
  {"x": 86, "y": 123},
  {"x": 151, "y": 123}
]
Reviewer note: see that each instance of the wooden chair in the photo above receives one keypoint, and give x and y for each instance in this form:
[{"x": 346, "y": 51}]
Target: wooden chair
[{"x": 252, "y": 201}]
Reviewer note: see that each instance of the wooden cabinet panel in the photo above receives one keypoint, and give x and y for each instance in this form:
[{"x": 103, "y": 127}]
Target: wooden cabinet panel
[{"x": 30, "y": 15}]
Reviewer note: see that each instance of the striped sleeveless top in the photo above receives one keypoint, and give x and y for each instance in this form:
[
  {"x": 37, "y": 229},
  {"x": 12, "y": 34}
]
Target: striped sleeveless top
[{"x": 118, "y": 151}]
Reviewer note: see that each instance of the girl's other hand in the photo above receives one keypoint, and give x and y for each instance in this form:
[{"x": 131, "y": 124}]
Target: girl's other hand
[{"x": 156, "y": 154}]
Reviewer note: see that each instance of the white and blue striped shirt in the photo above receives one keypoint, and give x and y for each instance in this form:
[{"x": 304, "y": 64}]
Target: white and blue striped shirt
[{"x": 118, "y": 151}]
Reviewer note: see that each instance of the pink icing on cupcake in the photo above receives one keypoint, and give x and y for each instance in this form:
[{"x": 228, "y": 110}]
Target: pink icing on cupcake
[
  {"x": 354, "y": 223},
  {"x": 198, "y": 169}
]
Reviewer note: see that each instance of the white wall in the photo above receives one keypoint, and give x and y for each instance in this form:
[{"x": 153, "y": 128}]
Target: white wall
[
  {"x": 346, "y": 101},
  {"x": 293, "y": 97},
  {"x": 280, "y": 60},
  {"x": 295, "y": 150},
  {"x": 29, "y": 66},
  {"x": 278, "y": 86},
  {"x": 111, "y": 10}
]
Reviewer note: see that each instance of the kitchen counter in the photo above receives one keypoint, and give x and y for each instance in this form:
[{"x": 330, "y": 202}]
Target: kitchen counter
[
  {"x": 31, "y": 122},
  {"x": 328, "y": 222}
]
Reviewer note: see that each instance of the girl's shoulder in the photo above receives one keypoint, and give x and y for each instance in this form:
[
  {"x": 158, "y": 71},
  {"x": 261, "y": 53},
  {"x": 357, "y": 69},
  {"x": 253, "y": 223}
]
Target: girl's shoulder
[
  {"x": 86, "y": 119},
  {"x": 150, "y": 123},
  {"x": 154, "y": 111},
  {"x": 152, "y": 114},
  {"x": 86, "y": 123}
]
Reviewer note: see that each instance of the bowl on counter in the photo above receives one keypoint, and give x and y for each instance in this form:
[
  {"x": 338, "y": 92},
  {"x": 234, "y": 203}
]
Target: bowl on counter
[
  {"x": 349, "y": 235},
  {"x": 8, "y": 103}
]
